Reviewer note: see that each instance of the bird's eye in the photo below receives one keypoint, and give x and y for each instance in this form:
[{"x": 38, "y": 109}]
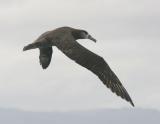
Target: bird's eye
[{"x": 86, "y": 33}]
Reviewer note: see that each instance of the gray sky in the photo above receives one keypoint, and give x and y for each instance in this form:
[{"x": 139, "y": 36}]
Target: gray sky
[{"x": 128, "y": 34}]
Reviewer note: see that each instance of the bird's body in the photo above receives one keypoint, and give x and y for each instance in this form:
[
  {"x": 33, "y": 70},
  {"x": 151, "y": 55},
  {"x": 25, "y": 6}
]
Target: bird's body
[{"x": 64, "y": 39}]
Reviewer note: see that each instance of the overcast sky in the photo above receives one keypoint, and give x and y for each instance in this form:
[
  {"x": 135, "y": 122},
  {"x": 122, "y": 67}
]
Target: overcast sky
[{"x": 128, "y": 34}]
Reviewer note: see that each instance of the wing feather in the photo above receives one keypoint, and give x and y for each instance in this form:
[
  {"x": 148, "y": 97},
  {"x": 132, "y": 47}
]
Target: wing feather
[
  {"x": 98, "y": 66},
  {"x": 45, "y": 56}
]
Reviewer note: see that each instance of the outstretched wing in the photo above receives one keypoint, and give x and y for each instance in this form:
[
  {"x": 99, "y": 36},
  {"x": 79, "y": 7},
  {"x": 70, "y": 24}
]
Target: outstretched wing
[
  {"x": 98, "y": 66},
  {"x": 45, "y": 56}
]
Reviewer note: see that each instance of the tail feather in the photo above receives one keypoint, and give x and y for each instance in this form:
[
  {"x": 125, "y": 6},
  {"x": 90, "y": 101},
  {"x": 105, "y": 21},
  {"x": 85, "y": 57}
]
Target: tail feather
[{"x": 28, "y": 47}]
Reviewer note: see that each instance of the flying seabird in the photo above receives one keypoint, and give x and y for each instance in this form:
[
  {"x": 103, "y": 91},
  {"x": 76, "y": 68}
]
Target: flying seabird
[{"x": 64, "y": 39}]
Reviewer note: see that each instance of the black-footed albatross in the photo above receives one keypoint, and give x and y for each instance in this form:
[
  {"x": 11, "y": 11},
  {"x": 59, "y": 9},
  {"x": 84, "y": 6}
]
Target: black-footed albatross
[{"x": 64, "y": 39}]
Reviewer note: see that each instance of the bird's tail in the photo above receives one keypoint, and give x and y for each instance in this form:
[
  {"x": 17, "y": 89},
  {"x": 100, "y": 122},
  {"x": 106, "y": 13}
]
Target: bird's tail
[{"x": 28, "y": 47}]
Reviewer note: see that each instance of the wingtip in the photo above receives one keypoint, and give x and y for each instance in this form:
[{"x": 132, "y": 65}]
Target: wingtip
[
  {"x": 130, "y": 100},
  {"x": 132, "y": 104},
  {"x": 44, "y": 67}
]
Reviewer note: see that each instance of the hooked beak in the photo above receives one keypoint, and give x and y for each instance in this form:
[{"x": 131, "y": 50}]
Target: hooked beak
[{"x": 91, "y": 38}]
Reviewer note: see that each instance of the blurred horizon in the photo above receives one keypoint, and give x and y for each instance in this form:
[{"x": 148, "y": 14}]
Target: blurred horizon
[{"x": 112, "y": 116}]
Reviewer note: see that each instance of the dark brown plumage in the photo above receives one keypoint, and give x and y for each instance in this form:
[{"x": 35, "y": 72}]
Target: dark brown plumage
[
  {"x": 45, "y": 56},
  {"x": 65, "y": 40}
]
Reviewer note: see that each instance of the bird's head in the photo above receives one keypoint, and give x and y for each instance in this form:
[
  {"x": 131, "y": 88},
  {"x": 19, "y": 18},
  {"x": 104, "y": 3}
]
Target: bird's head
[{"x": 82, "y": 34}]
